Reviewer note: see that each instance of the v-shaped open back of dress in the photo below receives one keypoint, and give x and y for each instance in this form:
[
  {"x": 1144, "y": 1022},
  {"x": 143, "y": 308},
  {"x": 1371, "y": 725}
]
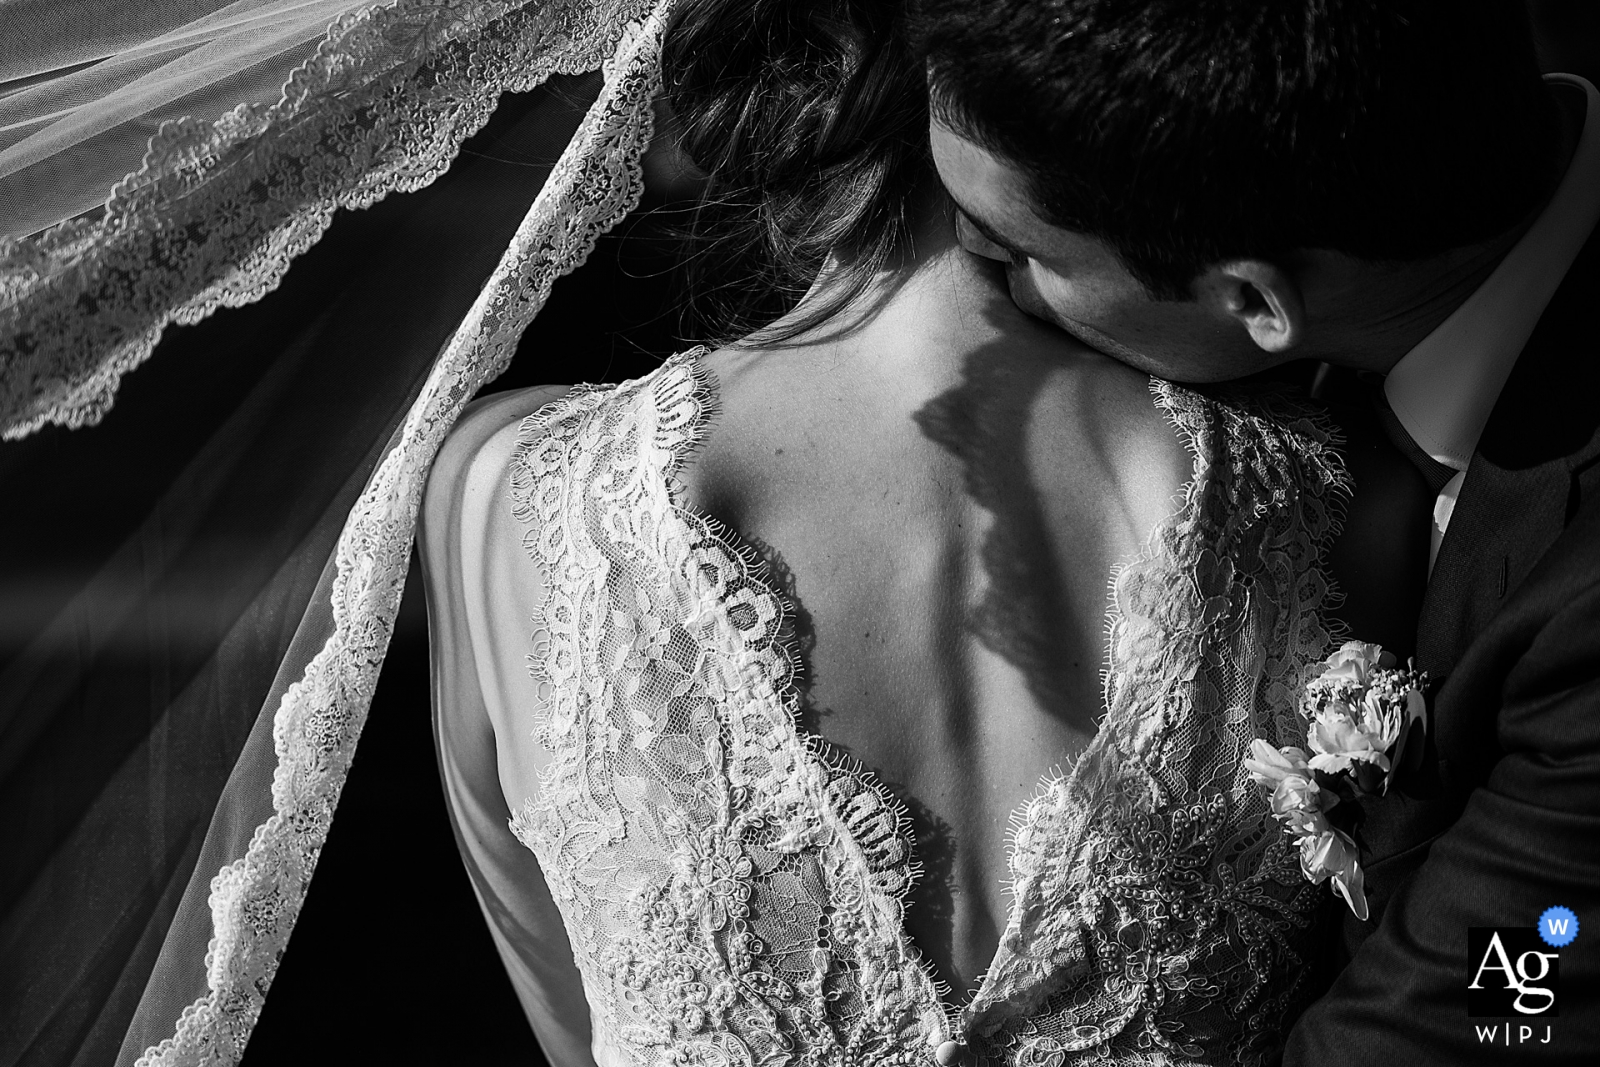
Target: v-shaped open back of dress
[{"x": 733, "y": 892}]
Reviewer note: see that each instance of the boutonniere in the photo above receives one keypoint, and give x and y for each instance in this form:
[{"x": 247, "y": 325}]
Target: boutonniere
[{"x": 1365, "y": 723}]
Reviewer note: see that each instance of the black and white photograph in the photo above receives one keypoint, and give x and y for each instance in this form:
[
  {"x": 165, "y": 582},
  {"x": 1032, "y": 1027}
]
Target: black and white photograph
[{"x": 799, "y": 533}]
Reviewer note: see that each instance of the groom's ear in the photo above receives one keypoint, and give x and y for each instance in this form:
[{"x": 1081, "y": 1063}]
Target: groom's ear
[{"x": 1260, "y": 296}]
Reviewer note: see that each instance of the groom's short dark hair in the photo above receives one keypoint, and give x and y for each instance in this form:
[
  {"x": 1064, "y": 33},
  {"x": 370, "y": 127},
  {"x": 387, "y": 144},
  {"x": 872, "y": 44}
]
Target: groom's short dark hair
[{"x": 1185, "y": 132}]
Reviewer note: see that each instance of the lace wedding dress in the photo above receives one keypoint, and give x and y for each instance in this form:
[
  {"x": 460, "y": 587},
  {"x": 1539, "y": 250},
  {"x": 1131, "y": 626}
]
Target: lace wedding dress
[{"x": 734, "y": 891}]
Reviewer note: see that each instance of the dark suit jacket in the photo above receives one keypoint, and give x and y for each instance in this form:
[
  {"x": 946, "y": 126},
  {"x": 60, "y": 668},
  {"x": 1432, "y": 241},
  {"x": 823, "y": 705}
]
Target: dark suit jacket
[{"x": 1511, "y": 625}]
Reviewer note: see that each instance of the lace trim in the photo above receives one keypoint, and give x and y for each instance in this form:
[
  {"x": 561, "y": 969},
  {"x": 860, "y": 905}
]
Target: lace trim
[
  {"x": 1155, "y": 854},
  {"x": 872, "y": 818},
  {"x": 680, "y": 771},
  {"x": 777, "y": 791},
  {"x": 256, "y": 899},
  {"x": 382, "y": 106}
]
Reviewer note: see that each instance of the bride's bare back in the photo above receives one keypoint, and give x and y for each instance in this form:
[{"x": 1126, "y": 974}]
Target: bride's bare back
[
  {"x": 945, "y": 495},
  {"x": 943, "y": 492}
]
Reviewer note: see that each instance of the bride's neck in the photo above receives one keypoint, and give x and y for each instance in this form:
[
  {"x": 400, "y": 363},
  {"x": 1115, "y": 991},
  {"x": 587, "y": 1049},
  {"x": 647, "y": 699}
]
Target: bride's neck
[{"x": 929, "y": 276}]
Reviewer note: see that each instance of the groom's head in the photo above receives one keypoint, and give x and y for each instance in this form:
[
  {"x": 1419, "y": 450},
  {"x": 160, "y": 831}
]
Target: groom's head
[{"x": 1177, "y": 181}]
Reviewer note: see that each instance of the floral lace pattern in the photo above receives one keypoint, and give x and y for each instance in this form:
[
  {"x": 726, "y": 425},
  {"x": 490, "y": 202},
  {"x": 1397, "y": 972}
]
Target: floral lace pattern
[
  {"x": 218, "y": 211},
  {"x": 735, "y": 895},
  {"x": 1159, "y": 917},
  {"x": 255, "y": 900}
]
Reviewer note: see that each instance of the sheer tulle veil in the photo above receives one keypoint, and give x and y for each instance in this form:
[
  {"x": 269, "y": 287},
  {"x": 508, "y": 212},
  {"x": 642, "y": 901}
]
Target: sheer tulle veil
[{"x": 159, "y": 162}]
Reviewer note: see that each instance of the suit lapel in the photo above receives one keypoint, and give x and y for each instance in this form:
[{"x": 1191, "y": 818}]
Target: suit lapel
[
  {"x": 1523, "y": 483},
  {"x": 1504, "y": 521}
]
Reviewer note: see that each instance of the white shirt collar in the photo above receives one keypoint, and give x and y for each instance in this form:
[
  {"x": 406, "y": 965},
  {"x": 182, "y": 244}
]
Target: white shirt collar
[{"x": 1443, "y": 390}]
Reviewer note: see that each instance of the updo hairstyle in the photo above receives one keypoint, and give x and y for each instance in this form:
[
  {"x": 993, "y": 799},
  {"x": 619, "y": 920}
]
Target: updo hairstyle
[{"x": 809, "y": 120}]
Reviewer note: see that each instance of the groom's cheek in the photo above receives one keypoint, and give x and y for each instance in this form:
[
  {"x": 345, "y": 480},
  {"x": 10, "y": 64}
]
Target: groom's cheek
[
  {"x": 1085, "y": 310},
  {"x": 1025, "y": 293},
  {"x": 1044, "y": 294}
]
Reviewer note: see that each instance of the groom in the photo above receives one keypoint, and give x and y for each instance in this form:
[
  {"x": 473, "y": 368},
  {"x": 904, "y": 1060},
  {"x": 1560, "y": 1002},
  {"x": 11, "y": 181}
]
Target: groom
[{"x": 1209, "y": 189}]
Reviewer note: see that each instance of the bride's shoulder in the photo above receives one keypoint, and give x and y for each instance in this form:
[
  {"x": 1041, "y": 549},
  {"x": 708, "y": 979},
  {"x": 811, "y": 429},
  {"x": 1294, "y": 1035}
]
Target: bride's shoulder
[
  {"x": 481, "y": 447},
  {"x": 473, "y": 465},
  {"x": 482, "y": 442}
]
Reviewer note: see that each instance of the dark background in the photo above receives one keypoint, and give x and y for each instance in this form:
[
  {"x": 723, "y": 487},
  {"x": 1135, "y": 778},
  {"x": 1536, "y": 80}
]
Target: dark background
[{"x": 391, "y": 961}]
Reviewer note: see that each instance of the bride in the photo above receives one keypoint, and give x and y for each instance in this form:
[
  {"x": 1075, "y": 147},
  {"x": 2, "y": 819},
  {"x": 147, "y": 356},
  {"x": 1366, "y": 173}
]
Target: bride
[{"x": 777, "y": 699}]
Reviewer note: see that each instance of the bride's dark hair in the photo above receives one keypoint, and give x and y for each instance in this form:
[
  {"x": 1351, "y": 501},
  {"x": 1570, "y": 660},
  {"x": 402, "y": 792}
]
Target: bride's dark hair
[{"x": 809, "y": 120}]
